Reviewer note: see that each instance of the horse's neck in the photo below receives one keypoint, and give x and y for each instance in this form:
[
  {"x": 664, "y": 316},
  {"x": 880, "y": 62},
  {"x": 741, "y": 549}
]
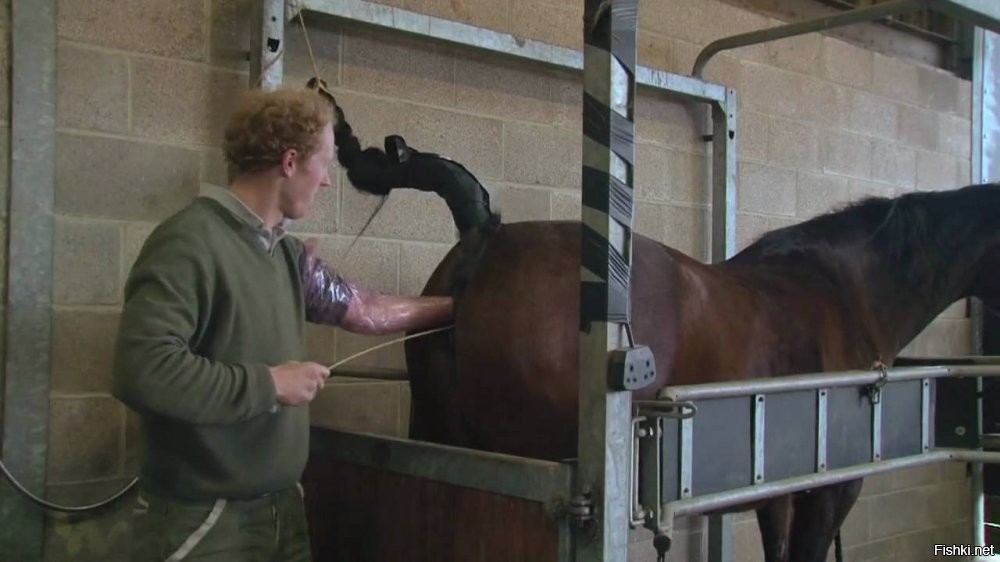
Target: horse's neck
[{"x": 896, "y": 303}]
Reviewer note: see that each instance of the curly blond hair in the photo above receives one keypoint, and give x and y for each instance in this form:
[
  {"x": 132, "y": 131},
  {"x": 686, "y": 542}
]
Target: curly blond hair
[{"x": 265, "y": 124}]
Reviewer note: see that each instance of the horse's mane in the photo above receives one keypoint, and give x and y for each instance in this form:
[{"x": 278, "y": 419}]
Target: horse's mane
[{"x": 909, "y": 232}]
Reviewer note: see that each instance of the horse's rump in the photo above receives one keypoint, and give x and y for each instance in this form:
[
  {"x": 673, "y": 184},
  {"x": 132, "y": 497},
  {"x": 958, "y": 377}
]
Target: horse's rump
[{"x": 506, "y": 380}]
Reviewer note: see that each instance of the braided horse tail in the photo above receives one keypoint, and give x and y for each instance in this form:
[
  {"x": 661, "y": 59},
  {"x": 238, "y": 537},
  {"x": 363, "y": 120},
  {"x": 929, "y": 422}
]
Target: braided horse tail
[{"x": 377, "y": 171}]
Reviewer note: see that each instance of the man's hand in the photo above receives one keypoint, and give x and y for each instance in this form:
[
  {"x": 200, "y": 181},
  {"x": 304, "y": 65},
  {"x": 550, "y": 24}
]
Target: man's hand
[{"x": 297, "y": 383}]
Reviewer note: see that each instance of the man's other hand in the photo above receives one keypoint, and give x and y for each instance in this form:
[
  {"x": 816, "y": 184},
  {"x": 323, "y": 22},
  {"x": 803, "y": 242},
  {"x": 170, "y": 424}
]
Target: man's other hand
[{"x": 297, "y": 383}]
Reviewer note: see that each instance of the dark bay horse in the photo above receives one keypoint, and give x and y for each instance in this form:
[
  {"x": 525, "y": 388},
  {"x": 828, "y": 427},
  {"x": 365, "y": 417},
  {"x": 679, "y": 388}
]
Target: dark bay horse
[{"x": 839, "y": 292}]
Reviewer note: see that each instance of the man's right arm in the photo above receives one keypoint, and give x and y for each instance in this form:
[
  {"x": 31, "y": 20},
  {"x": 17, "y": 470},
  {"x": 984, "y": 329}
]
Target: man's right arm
[{"x": 155, "y": 369}]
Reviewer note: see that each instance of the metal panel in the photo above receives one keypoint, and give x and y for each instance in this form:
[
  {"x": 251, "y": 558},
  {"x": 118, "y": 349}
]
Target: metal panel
[
  {"x": 398, "y": 19},
  {"x": 723, "y": 445},
  {"x": 530, "y": 479},
  {"x": 849, "y": 426},
  {"x": 790, "y": 436},
  {"x": 29, "y": 271},
  {"x": 901, "y": 419}
]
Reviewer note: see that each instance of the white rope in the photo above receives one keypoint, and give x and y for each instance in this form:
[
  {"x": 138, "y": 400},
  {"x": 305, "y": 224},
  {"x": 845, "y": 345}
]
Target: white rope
[
  {"x": 195, "y": 538},
  {"x": 388, "y": 343}
]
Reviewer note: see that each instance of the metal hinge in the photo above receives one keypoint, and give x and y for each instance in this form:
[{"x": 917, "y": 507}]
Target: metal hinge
[{"x": 581, "y": 507}]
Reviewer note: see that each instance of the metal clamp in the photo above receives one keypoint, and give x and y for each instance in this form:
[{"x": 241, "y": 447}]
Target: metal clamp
[
  {"x": 875, "y": 389},
  {"x": 667, "y": 409}
]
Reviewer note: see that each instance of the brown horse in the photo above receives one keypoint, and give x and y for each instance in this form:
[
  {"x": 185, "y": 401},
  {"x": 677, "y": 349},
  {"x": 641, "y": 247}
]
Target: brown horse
[{"x": 838, "y": 292}]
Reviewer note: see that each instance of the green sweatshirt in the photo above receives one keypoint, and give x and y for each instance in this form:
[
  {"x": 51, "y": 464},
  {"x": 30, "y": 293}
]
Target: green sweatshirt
[{"x": 207, "y": 310}]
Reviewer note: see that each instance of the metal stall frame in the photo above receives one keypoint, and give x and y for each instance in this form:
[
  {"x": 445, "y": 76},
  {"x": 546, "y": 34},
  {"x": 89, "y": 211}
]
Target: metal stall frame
[{"x": 721, "y": 99}]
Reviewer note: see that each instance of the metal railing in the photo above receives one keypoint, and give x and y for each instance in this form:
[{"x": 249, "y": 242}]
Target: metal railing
[{"x": 815, "y": 419}]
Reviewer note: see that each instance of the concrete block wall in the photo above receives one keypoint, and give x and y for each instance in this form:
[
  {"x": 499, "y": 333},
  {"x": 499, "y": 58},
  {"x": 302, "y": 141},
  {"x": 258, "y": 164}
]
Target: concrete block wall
[{"x": 144, "y": 88}]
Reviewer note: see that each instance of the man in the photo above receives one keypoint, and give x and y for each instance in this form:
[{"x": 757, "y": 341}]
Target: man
[{"x": 210, "y": 344}]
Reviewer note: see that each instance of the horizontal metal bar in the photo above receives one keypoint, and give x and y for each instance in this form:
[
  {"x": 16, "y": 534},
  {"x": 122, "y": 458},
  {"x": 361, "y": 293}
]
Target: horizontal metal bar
[
  {"x": 398, "y": 19},
  {"x": 530, "y": 479},
  {"x": 730, "y": 498},
  {"x": 684, "y": 86},
  {"x": 981, "y": 13},
  {"x": 859, "y": 15},
  {"x": 813, "y": 381}
]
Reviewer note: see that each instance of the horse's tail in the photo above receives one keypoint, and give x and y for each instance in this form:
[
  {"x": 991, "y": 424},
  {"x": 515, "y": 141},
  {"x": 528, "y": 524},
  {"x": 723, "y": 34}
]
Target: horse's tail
[{"x": 377, "y": 171}]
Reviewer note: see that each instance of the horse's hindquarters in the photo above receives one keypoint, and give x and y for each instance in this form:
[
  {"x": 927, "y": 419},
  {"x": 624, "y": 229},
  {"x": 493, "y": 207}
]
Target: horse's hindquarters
[
  {"x": 517, "y": 342},
  {"x": 514, "y": 390}
]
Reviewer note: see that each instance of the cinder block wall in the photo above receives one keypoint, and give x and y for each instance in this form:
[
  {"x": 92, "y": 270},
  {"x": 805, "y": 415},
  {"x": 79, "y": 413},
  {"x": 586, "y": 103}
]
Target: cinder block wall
[{"x": 143, "y": 92}]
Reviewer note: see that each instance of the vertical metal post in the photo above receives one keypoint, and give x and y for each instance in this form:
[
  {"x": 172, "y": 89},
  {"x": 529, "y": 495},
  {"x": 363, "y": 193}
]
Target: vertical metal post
[
  {"x": 605, "y": 428},
  {"x": 720, "y": 527},
  {"x": 720, "y": 538},
  {"x": 985, "y": 168},
  {"x": 267, "y": 38},
  {"x": 724, "y": 178},
  {"x": 29, "y": 274}
]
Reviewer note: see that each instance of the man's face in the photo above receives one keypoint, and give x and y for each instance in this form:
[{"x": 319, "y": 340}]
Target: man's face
[{"x": 307, "y": 176}]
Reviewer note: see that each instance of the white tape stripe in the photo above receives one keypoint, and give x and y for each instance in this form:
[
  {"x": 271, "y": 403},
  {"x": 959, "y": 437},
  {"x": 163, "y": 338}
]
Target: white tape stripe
[{"x": 200, "y": 533}]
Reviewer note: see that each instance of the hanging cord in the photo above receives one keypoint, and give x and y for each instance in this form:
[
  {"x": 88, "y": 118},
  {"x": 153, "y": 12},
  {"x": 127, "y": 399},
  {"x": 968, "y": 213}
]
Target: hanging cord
[
  {"x": 309, "y": 49},
  {"x": 388, "y": 343},
  {"x": 319, "y": 86},
  {"x": 67, "y": 509}
]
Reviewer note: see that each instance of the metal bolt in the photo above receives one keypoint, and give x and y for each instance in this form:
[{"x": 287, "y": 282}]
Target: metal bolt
[{"x": 960, "y": 430}]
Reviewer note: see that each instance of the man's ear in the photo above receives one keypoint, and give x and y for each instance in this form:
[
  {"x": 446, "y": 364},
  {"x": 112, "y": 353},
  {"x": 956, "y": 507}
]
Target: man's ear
[{"x": 288, "y": 161}]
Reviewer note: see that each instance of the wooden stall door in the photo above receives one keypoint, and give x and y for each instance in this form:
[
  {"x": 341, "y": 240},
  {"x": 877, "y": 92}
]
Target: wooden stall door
[{"x": 359, "y": 514}]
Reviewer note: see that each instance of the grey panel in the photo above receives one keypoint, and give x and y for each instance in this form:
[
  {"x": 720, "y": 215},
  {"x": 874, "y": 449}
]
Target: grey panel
[
  {"x": 722, "y": 445},
  {"x": 849, "y": 425},
  {"x": 790, "y": 435},
  {"x": 901, "y": 419},
  {"x": 671, "y": 463}
]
